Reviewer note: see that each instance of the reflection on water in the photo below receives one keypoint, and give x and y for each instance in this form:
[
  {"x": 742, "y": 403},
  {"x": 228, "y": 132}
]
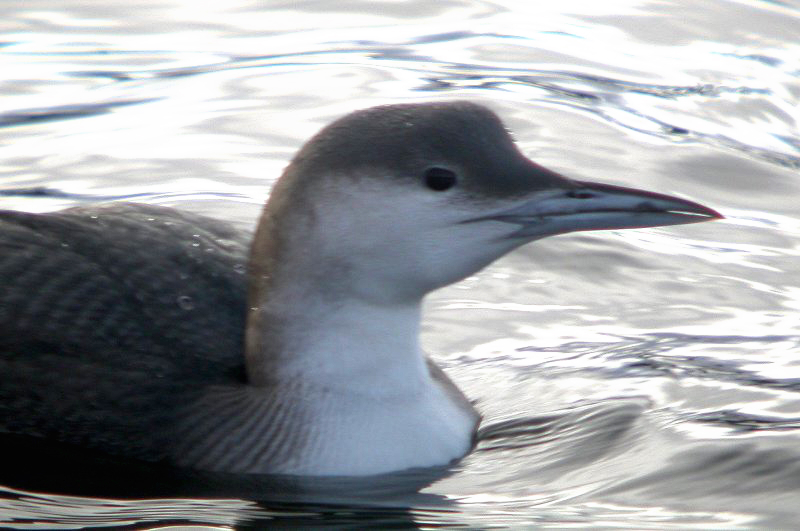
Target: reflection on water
[
  {"x": 640, "y": 379},
  {"x": 33, "y": 510}
]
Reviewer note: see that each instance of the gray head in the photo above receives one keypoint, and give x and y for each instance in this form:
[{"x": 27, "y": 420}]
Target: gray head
[
  {"x": 414, "y": 142},
  {"x": 389, "y": 203}
]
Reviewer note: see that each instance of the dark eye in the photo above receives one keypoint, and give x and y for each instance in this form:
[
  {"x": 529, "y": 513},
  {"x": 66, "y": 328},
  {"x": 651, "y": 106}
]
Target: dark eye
[{"x": 440, "y": 179}]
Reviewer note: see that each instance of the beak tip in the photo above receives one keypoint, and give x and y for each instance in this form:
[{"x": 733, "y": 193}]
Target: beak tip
[{"x": 709, "y": 214}]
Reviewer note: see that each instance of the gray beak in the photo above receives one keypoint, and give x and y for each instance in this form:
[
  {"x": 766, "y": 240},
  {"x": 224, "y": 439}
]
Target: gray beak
[{"x": 595, "y": 206}]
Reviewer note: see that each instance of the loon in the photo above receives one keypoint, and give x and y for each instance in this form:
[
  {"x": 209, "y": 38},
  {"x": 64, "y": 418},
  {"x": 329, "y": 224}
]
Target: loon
[{"x": 165, "y": 336}]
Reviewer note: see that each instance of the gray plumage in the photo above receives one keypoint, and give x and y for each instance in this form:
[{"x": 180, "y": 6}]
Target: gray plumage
[{"x": 113, "y": 318}]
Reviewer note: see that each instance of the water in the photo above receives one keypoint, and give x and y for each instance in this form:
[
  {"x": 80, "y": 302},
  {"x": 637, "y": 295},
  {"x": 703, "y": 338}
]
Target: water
[{"x": 641, "y": 379}]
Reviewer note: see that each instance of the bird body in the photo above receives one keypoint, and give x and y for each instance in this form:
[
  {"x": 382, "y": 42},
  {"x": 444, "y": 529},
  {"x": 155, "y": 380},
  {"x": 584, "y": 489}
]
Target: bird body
[{"x": 152, "y": 333}]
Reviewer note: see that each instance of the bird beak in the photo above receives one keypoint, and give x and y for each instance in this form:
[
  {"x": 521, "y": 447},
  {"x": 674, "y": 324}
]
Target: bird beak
[{"x": 593, "y": 206}]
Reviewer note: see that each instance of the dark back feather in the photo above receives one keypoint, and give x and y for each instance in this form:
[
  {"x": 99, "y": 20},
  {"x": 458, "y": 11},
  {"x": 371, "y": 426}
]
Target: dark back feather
[{"x": 113, "y": 318}]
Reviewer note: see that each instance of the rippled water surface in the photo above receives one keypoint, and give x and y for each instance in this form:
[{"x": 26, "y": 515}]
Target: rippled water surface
[{"x": 643, "y": 379}]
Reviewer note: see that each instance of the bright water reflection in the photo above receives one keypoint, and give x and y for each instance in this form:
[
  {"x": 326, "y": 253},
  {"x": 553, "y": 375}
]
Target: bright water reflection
[{"x": 640, "y": 379}]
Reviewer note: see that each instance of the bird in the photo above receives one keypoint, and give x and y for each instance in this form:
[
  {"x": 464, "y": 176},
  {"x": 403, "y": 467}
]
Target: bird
[{"x": 164, "y": 336}]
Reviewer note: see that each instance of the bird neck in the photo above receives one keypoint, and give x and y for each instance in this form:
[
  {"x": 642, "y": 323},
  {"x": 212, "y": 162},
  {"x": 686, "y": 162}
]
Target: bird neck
[
  {"x": 351, "y": 344},
  {"x": 305, "y": 325}
]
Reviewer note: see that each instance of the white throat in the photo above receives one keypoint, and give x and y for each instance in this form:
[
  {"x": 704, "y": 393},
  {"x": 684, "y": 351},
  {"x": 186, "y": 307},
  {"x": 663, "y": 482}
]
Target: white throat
[{"x": 349, "y": 345}]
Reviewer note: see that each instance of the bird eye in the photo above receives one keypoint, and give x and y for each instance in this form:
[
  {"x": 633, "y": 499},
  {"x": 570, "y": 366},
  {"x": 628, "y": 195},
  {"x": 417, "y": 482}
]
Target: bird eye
[{"x": 440, "y": 179}]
